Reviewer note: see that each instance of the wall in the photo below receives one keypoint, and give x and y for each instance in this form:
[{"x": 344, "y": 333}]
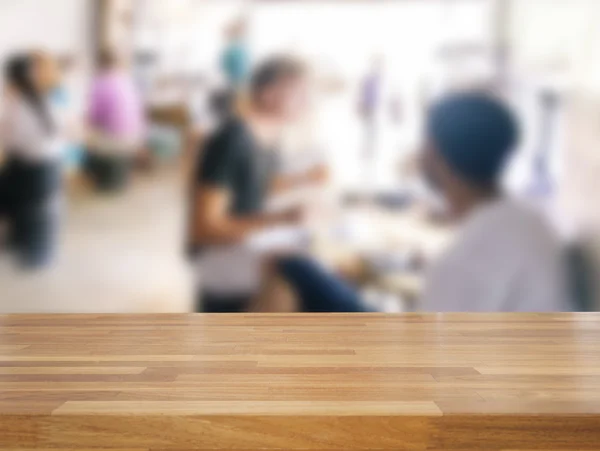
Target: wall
[
  {"x": 560, "y": 40},
  {"x": 58, "y": 25},
  {"x": 62, "y": 27}
]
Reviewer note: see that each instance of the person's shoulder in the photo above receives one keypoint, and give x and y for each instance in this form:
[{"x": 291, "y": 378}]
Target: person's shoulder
[
  {"x": 23, "y": 111},
  {"x": 100, "y": 80},
  {"x": 112, "y": 81},
  {"x": 509, "y": 225},
  {"x": 501, "y": 212},
  {"x": 522, "y": 215},
  {"x": 235, "y": 126},
  {"x": 231, "y": 133}
]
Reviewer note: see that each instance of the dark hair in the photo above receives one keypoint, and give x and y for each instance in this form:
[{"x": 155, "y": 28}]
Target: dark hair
[
  {"x": 18, "y": 73},
  {"x": 107, "y": 58},
  {"x": 273, "y": 71}
]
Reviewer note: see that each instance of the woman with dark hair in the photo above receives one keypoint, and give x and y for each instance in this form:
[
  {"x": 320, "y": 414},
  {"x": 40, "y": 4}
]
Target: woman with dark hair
[{"x": 32, "y": 179}]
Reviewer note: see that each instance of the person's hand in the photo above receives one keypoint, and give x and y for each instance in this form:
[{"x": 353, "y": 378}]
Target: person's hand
[
  {"x": 294, "y": 215},
  {"x": 318, "y": 174}
]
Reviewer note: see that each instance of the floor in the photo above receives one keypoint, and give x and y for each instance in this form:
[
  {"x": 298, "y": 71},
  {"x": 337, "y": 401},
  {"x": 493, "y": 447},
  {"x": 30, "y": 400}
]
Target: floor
[{"x": 118, "y": 254}]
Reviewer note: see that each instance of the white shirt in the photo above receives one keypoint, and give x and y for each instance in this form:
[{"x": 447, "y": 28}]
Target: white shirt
[
  {"x": 25, "y": 134},
  {"x": 234, "y": 270},
  {"x": 506, "y": 259},
  {"x": 229, "y": 270}
]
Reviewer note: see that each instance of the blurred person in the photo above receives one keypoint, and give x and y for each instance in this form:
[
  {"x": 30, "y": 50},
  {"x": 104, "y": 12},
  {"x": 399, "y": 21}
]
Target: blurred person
[
  {"x": 505, "y": 258},
  {"x": 116, "y": 124},
  {"x": 235, "y": 65},
  {"x": 236, "y": 172},
  {"x": 33, "y": 136},
  {"x": 235, "y": 60},
  {"x": 369, "y": 107},
  {"x": 68, "y": 97}
]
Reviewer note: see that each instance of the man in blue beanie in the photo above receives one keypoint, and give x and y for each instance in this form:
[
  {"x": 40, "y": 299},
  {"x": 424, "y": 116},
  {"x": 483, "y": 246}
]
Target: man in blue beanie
[
  {"x": 505, "y": 257},
  {"x": 469, "y": 138}
]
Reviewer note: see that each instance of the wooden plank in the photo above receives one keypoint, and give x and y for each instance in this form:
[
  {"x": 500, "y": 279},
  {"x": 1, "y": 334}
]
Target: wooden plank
[
  {"x": 262, "y": 408},
  {"x": 19, "y": 370}
]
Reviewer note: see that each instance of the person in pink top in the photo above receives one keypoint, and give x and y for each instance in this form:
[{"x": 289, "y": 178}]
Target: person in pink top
[{"x": 116, "y": 123}]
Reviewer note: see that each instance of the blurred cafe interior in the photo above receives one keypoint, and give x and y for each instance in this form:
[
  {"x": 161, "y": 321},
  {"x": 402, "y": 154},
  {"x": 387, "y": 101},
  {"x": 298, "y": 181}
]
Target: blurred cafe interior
[{"x": 113, "y": 237}]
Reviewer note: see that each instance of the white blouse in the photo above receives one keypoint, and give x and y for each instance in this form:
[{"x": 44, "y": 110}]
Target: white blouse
[{"x": 25, "y": 135}]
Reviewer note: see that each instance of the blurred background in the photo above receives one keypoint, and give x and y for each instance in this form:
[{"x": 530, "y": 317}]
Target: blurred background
[{"x": 120, "y": 240}]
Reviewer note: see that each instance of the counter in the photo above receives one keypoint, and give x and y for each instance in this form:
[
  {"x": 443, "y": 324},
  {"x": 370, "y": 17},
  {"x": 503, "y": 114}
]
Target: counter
[{"x": 300, "y": 382}]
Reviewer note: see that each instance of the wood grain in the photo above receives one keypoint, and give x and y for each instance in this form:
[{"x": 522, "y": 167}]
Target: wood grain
[{"x": 300, "y": 382}]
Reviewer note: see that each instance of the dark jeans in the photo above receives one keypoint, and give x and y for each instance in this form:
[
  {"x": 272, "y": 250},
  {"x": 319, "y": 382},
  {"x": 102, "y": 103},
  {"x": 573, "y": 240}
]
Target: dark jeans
[
  {"x": 109, "y": 173},
  {"x": 317, "y": 289},
  {"x": 34, "y": 234},
  {"x": 31, "y": 207}
]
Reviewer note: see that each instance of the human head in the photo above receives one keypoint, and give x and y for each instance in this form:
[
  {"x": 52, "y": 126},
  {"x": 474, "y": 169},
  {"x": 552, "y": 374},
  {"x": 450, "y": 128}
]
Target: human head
[
  {"x": 27, "y": 81},
  {"x": 278, "y": 88},
  {"x": 237, "y": 30},
  {"x": 45, "y": 71},
  {"x": 107, "y": 59},
  {"x": 67, "y": 63},
  {"x": 18, "y": 74},
  {"x": 469, "y": 138}
]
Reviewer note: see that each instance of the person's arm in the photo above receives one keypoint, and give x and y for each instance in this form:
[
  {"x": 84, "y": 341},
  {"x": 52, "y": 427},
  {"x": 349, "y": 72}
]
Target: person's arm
[
  {"x": 315, "y": 176},
  {"x": 215, "y": 225},
  {"x": 8, "y": 113},
  {"x": 214, "y": 188}
]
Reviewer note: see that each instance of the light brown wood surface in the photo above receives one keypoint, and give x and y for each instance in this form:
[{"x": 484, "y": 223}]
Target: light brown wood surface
[{"x": 300, "y": 382}]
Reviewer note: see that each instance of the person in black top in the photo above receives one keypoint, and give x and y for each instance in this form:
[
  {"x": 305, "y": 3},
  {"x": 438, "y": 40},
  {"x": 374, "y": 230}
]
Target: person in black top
[{"x": 235, "y": 173}]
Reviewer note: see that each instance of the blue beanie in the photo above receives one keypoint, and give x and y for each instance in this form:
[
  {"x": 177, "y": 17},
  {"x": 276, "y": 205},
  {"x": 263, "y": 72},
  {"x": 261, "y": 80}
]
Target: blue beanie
[{"x": 474, "y": 133}]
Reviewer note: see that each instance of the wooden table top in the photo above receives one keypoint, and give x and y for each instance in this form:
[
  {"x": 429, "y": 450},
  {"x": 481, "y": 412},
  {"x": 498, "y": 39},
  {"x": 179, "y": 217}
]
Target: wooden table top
[{"x": 310, "y": 382}]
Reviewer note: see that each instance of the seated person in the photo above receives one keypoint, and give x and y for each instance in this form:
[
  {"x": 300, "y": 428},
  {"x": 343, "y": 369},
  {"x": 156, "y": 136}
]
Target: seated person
[
  {"x": 236, "y": 172},
  {"x": 505, "y": 259},
  {"x": 116, "y": 125}
]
